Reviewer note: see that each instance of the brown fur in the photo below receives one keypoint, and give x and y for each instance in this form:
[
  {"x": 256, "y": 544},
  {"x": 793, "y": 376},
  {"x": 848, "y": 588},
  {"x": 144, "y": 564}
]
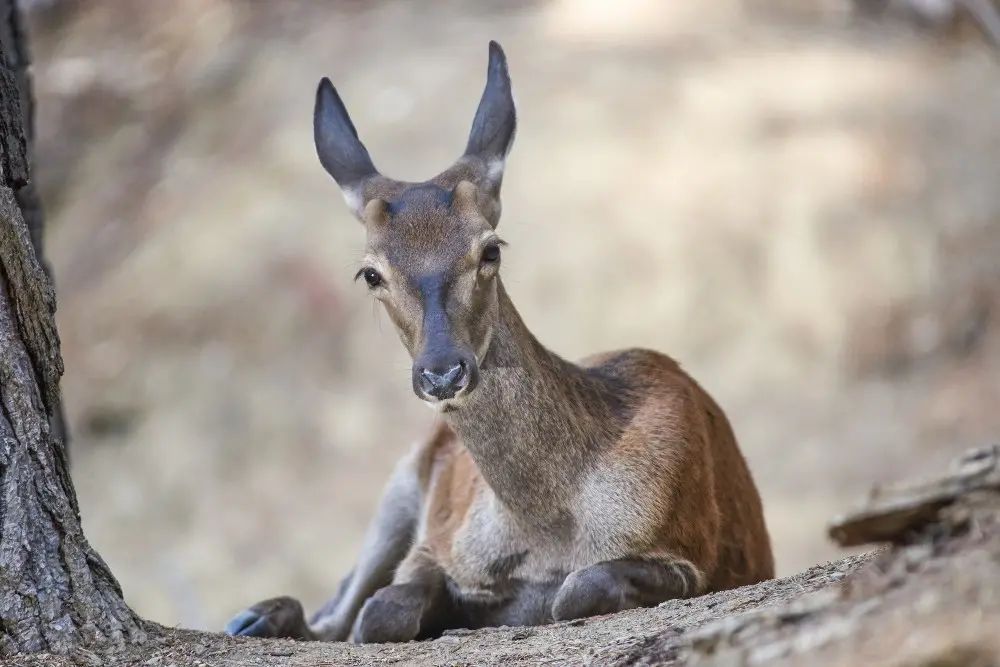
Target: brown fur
[
  {"x": 549, "y": 490},
  {"x": 714, "y": 516}
]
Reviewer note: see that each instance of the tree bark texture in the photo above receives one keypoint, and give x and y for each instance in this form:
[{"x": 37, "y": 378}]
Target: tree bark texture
[
  {"x": 17, "y": 57},
  {"x": 55, "y": 591}
]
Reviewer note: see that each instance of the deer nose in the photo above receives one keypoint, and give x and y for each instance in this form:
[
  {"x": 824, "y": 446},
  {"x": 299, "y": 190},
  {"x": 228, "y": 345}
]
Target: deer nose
[{"x": 445, "y": 384}]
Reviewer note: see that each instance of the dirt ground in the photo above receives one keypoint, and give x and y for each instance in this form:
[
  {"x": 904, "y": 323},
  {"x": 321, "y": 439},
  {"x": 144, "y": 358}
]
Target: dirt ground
[
  {"x": 932, "y": 599},
  {"x": 598, "y": 641},
  {"x": 804, "y": 212}
]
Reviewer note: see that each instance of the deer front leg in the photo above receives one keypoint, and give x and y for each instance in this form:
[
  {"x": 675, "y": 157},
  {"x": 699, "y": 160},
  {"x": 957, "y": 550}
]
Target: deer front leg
[
  {"x": 617, "y": 585},
  {"x": 386, "y": 544},
  {"x": 280, "y": 617},
  {"x": 417, "y": 604}
]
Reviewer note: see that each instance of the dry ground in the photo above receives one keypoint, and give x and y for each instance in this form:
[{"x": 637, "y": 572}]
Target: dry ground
[
  {"x": 803, "y": 212},
  {"x": 599, "y": 641},
  {"x": 930, "y": 600}
]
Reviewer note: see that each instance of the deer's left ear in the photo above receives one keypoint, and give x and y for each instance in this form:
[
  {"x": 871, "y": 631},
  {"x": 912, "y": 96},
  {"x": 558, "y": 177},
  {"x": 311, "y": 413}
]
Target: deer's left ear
[
  {"x": 339, "y": 149},
  {"x": 495, "y": 124}
]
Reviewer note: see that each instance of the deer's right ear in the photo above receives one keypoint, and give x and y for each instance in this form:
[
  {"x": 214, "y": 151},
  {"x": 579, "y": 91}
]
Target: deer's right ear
[
  {"x": 495, "y": 124},
  {"x": 339, "y": 149}
]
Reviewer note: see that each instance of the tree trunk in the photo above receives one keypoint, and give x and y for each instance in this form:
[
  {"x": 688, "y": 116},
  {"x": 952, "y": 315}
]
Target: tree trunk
[
  {"x": 55, "y": 591},
  {"x": 17, "y": 58}
]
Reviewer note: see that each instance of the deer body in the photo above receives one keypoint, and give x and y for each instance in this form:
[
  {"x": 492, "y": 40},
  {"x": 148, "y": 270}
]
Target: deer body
[{"x": 548, "y": 490}]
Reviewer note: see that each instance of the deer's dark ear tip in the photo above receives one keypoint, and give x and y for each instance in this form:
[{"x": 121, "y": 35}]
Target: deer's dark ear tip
[
  {"x": 496, "y": 51},
  {"x": 327, "y": 99},
  {"x": 325, "y": 87}
]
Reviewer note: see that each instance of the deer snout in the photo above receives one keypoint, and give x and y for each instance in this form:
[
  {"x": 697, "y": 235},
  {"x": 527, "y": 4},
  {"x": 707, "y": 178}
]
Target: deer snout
[{"x": 445, "y": 378}]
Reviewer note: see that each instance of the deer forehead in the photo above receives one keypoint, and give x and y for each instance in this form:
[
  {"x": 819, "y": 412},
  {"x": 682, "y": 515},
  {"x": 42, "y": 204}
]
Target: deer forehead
[
  {"x": 437, "y": 255},
  {"x": 421, "y": 240}
]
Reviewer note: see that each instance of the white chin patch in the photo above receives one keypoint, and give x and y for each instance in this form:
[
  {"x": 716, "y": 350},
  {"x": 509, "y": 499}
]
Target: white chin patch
[{"x": 444, "y": 406}]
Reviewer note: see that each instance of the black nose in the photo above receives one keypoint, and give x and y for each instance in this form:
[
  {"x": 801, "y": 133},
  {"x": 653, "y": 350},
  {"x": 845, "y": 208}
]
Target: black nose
[{"x": 443, "y": 384}]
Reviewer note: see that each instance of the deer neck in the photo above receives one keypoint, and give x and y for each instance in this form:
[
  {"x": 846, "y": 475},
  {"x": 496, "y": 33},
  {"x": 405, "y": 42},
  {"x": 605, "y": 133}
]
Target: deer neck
[{"x": 535, "y": 422}]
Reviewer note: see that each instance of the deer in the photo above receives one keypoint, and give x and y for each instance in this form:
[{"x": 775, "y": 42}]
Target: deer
[{"x": 547, "y": 490}]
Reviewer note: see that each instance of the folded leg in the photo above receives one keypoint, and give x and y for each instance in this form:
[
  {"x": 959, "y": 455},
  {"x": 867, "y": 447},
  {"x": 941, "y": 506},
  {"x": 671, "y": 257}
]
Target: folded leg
[
  {"x": 613, "y": 586},
  {"x": 417, "y": 605},
  {"x": 386, "y": 543}
]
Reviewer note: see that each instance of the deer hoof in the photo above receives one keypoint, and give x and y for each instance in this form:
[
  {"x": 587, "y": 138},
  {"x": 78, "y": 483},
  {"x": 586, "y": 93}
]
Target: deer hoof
[
  {"x": 384, "y": 621},
  {"x": 276, "y": 618},
  {"x": 589, "y": 592}
]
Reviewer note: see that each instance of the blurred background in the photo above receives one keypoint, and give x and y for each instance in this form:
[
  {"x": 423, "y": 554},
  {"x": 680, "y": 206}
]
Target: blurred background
[{"x": 802, "y": 208}]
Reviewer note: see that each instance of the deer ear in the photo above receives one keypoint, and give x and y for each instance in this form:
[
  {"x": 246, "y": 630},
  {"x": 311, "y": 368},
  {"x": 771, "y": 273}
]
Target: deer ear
[
  {"x": 339, "y": 149},
  {"x": 495, "y": 124}
]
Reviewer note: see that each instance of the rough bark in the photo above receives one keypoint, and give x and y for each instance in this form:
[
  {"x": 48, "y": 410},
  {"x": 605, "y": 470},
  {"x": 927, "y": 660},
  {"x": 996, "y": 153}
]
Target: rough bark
[
  {"x": 17, "y": 58},
  {"x": 55, "y": 591},
  {"x": 931, "y": 599}
]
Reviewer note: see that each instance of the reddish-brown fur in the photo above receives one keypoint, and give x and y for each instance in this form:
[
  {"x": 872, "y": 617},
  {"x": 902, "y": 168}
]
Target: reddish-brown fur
[{"x": 722, "y": 531}]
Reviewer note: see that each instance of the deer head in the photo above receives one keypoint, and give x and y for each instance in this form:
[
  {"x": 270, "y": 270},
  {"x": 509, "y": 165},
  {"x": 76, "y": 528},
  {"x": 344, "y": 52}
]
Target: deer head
[{"x": 432, "y": 253}]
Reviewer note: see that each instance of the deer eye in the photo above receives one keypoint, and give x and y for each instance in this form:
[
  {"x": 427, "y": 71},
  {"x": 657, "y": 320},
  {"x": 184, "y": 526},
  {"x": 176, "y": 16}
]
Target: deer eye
[
  {"x": 371, "y": 277},
  {"x": 491, "y": 253}
]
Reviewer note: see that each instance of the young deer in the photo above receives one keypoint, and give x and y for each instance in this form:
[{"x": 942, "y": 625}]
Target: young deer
[{"x": 549, "y": 490}]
